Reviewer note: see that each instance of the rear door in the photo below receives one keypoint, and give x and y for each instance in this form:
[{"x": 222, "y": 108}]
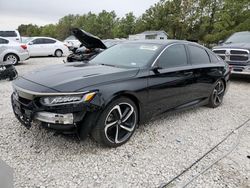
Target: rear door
[
  {"x": 206, "y": 70},
  {"x": 171, "y": 85},
  {"x": 49, "y": 46},
  {"x": 3, "y": 47}
]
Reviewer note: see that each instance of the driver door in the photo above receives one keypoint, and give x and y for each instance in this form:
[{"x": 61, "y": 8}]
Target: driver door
[{"x": 171, "y": 84}]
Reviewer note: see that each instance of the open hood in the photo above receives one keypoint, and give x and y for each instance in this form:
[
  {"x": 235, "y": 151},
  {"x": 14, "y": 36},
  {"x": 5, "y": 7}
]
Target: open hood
[{"x": 88, "y": 40}]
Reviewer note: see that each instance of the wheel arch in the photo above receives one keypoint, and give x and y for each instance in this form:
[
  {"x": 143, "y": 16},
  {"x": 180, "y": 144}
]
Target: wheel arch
[
  {"x": 11, "y": 53},
  {"x": 130, "y": 96},
  {"x": 57, "y": 50}
]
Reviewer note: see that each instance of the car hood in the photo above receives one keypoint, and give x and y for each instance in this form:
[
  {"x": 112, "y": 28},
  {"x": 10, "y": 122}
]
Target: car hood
[
  {"x": 73, "y": 77},
  {"x": 234, "y": 45},
  {"x": 88, "y": 40}
]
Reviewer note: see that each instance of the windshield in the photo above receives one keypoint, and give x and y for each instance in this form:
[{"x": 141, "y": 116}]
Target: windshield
[
  {"x": 127, "y": 55},
  {"x": 239, "y": 38},
  {"x": 26, "y": 39}
]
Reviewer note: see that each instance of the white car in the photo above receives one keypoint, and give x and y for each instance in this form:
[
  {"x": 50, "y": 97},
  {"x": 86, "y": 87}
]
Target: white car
[
  {"x": 45, "y": 46},
  {"x": 12, "y": 51},
  {"x": 11, "y": 35}
]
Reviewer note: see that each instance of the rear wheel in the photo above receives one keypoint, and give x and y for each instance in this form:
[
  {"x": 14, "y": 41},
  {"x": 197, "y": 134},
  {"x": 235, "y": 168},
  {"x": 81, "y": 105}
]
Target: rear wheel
[
  {"x": 117, "y": 123},
  {"x": 217, "y": 95},
  {"x": 58, "y": 53},
  {"x": 12, "y": 58}
]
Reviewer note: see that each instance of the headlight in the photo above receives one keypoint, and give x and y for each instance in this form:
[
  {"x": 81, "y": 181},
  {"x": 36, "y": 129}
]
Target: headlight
[{"x": 67, "y": 99}]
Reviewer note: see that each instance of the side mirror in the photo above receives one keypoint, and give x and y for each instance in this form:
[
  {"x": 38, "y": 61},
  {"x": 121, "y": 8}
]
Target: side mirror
[
  {"x": 156, "y": 69},
  {"x": 220, "y": 42},
  {"x": 31, "y": 43}
]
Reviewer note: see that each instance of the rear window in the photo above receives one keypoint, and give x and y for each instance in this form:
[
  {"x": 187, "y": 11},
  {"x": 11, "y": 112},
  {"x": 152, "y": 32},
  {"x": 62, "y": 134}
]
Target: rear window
[
  {"x": 198, "y": 55},
  {"x": 48, "y": 41},
  {"x": 8, "y": 34},
  {"x": 213, "y": 57},
  {"x": 3, "y": 41}
]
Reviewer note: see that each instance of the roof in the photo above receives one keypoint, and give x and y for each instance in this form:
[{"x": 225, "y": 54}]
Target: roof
[
  {"x": 154, "y": 32},
  {"x": 160, "y": 42},
  {"x": 163, "y": 42}
]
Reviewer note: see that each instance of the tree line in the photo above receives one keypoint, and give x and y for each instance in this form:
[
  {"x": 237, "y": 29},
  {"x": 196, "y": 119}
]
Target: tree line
[{"x": 206, "y": 21}]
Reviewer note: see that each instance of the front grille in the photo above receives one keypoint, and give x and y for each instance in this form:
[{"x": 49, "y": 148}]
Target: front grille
[
  {"x": 222, "y": 57},
  {"x": 220, "y": 51},
  {"x": 24, "y": 101},
  {"x": 238, "y": 58},
  {"x": 233, "y": 55},
  {"x": 240, "y": 52}
]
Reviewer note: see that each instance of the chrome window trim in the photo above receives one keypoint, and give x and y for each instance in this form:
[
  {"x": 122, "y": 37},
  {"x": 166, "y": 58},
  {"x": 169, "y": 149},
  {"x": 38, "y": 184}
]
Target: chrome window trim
[{"x": 156, "y": 59}]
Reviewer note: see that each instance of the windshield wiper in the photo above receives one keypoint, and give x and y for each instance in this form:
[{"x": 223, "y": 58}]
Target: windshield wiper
[{"x": 104, "y": 64}]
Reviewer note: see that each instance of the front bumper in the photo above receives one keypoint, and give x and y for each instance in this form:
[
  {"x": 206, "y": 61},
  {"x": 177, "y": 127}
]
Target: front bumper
[
  {"x": 64, "y": 119},
  {"x": 242, "y": 70}
]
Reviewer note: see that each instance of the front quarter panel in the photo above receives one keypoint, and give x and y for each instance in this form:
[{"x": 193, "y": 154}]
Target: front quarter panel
[{"x": 135, "y": 88}]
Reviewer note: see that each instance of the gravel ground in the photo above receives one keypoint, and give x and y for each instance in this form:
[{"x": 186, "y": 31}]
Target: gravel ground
[{"x": 157, "y": 152}]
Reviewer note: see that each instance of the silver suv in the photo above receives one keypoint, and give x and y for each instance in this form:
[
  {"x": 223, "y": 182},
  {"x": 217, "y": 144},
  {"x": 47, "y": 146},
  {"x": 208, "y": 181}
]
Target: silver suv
[
  {"x": 12, "y": 51},
  {"x": 236, "y": 52}
]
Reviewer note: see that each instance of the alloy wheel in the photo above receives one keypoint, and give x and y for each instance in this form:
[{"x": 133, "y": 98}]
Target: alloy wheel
[
  {"x": 12, "y": 59},
  {"x": 218, "y": 93},
  {"x": 120, "y": 123}
]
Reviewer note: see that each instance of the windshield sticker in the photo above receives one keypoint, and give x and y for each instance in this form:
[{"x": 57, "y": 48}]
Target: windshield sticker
[{"x": 152, "y": 48}]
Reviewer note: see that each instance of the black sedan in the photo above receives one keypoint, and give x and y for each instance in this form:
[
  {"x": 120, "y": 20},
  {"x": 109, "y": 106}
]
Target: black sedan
[{"x": 120, "y": 88}]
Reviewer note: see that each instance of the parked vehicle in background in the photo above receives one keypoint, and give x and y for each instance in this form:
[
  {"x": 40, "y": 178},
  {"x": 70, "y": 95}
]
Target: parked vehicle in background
[
  {"x": 72, "y": 43},
  {"x": 236, "y": 52},
  {"x": 121, "y": 87},
  {"x": 89, "y": 48},
  {"x": 90, "y": 45},
  {"x": 45, "y": 46},
  {"x": 112, "y": 42},
  {"x": 12, "y": 51},
  {"x": 11, "y": 35},
  {"x": 7, "y": 71}
]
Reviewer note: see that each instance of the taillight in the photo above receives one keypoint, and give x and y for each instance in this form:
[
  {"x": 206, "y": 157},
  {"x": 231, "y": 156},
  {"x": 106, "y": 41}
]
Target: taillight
[{"x": 23, "y": 46}]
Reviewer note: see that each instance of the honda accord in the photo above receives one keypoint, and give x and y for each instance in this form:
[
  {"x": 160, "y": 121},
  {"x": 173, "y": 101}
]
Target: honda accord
[{"x": 122, "y": 87}]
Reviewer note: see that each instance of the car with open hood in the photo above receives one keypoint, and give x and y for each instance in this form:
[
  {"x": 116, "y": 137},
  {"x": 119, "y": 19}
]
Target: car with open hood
[
  {"x": 89, "y": 48},
  {"x": 236, "y": 52},
  {"x": 121, "y": 87}
]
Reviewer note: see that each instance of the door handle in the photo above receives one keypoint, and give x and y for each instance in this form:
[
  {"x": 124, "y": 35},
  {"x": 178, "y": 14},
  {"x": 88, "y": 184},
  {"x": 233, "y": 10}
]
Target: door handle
[{"x": 187, "y": 73}]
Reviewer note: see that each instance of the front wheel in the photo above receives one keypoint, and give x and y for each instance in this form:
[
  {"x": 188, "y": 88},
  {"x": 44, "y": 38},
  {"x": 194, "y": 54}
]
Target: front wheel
[
  {"x": 217, "y": 95},
  {"x": 117, "y": 123}
]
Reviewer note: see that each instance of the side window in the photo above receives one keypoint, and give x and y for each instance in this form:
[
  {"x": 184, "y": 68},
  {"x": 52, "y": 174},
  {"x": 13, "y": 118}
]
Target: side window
[
  {"x": 174, "y": 56},
  {"x": 38, "y": 41},
  {"x": 8, "y": 34},
  {"x": 3, "y": 41},
  {"x": 49, "y": 41},
  {"x": 198, "y": 55},
  {"x": 213, "y": 57}
]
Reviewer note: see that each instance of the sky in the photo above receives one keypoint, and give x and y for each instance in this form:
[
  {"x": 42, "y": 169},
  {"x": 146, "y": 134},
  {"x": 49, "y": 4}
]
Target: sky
[{"x": 41, "y": 12}]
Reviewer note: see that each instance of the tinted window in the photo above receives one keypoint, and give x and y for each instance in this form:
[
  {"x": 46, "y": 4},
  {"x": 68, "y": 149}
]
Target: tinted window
[
  {"x": 213, "y": 57},
  {"x": 3, "y": 41},
  {"x": 198, "y": 55},
  {"x": 48, "y": 41},
  {"x": 174, "y": 56},
  {"x": 37, "y": 41},
  {"x": 8, "y": 34}
]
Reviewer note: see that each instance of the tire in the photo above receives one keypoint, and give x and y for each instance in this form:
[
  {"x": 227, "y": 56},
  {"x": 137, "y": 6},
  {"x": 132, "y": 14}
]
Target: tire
[
  {"x": 117, "y": 123},
  {"x": 58, "y": 53},
  {"x": 216, "y": 98},
  {"x": 13, "y": 58}
]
